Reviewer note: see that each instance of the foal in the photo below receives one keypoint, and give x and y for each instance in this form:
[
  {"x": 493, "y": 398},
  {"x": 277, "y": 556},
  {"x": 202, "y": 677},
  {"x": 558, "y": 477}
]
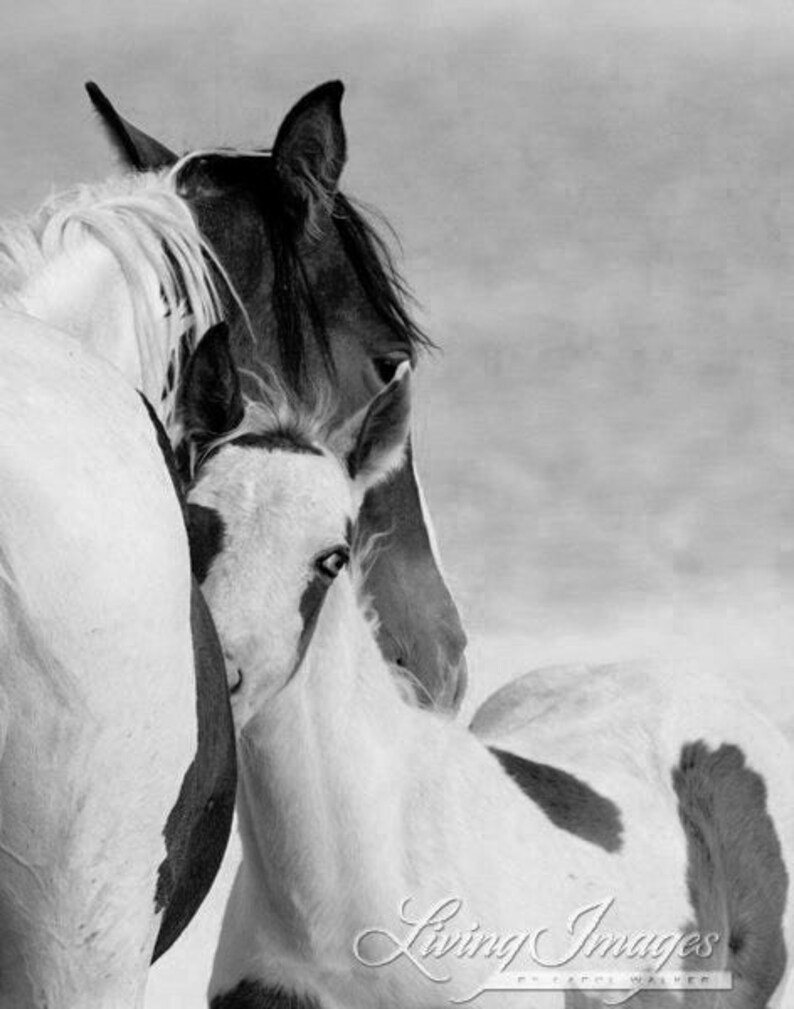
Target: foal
[{"x": 390, "y": 857}]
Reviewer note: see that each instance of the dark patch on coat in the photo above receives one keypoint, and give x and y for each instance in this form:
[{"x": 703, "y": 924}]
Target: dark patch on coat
[
  {"x": 168, "y": 453},
  {"x": 255, "y": 995},
  {"x": 569, "y": 803},
  {"x": 205, "y": 532},
  {"x": 736, "y": 876},
  {"x": 198, "y": 827},
  {"x": 197, "y": 830}
]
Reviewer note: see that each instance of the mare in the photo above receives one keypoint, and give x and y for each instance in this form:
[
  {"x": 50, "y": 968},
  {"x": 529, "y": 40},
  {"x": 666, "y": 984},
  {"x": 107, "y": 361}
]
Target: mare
[
  {"x": 318, "y": 290},
  {"x": 117, "y": 771},
  {"x": 615, "y": 826},
  {"x": 119, "y": 274}
]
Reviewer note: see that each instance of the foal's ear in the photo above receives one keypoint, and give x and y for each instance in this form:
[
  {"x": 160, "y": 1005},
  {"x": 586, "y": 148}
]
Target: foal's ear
[
  {"x": 210, "y": 400},
  {"x": 309, "y": 152},
  {"x": 133, "y": 146},
  {"x": 372, "y": 443}
]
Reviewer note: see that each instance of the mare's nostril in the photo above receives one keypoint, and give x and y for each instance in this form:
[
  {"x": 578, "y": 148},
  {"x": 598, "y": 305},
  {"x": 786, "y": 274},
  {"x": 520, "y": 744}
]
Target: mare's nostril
[{"x": 238, "y": 684}]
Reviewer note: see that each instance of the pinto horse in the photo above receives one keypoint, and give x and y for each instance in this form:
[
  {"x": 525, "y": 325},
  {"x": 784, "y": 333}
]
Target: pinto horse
[
  {"x": 618, "y": 835},
  {"x": 121, "y": 277},
  {"x": 117, "y": 769},
  {"x": 320, "y": 293}
]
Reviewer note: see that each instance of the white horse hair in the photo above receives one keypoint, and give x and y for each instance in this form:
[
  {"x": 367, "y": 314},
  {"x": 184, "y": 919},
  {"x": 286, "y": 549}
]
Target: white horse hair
[
  {"x": 121, "y": 266},
  {"x": 97, "y": 675},
  {"x": 116, "y": 751},
  {"x": 395, "y": 858}
]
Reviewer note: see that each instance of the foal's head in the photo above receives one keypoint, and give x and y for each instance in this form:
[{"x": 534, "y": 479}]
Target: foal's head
[{"x": 272, "y": 509}]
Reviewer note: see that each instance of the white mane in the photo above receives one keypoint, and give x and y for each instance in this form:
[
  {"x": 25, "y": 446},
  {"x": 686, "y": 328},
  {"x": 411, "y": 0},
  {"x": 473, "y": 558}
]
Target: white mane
[{"x": 150, "y": 230}]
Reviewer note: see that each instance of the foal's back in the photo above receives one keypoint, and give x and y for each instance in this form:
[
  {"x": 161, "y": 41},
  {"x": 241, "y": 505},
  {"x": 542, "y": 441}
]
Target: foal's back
[{"x": 96, "y": 662}]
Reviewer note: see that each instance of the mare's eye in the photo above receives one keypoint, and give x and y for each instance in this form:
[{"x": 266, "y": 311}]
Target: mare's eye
[
  {"x": 333, "y": 562},
  {"x": 386, "y": 367}
]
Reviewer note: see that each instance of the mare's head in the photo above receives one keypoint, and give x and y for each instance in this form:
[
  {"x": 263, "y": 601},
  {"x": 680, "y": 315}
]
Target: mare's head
[
  {"x": 272, "y": 512},
  {"x": 316, "y": 280},
  {"x": 318, "y": 290}
]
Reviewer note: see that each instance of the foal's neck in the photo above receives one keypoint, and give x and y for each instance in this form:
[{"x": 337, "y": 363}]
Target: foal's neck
[
  {"x": 326, "y": 771},
  {"x": 352, "y": 802}
]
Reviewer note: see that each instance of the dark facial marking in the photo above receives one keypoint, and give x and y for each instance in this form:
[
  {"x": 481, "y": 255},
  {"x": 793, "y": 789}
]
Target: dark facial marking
[
  {"x": 255, "y": 995},
  {"x": 569, "y": 803},
  {"x": 735, "y": 874},
  {"x": 310, "y": 606},
  {"x": 205, "y": 533},
  {"x": 283, "y": 440}
]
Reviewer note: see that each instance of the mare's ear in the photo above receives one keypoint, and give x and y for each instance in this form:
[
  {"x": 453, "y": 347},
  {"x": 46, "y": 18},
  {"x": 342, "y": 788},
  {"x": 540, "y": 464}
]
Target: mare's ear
[
  {"x": 135, "y": 149},
  {"x": 210, "y": 402},
  {"x": 372, "y": 443},
  {"x": 309, "y": 153}
]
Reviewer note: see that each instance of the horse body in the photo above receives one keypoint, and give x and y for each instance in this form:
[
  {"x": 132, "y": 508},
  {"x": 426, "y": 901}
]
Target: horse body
[
  {"x": 124, "y": 274},
  {"x": 98, "y": 683},
  {"x": 336, "y": 838},
  {"x": 124, "y": 269},
  {"x": 681, "y": 749},
  {"x": 391, "y": 856}
]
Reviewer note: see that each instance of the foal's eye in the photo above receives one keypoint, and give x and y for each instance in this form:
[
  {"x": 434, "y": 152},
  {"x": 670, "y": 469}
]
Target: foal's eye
[{"x": 333, "y": 562}]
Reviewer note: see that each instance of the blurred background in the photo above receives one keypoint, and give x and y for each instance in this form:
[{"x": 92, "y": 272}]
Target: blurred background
[{"x": 596, "y": 209}]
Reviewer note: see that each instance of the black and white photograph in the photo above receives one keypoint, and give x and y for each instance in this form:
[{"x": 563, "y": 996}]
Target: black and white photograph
[{"x": 397, "y": 504}]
